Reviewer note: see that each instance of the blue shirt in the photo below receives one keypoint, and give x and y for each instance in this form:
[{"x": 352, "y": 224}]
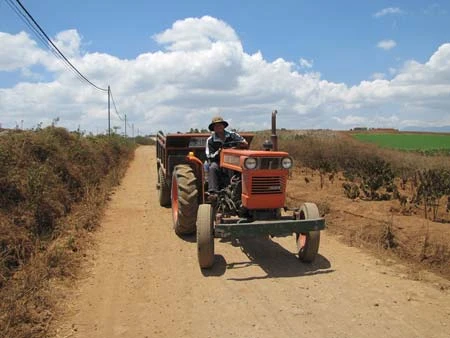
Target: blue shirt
[{"x": 214, "y": 144}]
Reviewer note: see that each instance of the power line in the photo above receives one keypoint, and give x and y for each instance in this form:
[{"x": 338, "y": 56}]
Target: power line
[
  {"x": 45, "y": 41},
  {"x": 57, "y": 49},
  {"x": 123, "y": 119},
  {"x": 41, "y": 35},
  {"x": 28, "y": 23},
  {"x": 114, "y": 104}
]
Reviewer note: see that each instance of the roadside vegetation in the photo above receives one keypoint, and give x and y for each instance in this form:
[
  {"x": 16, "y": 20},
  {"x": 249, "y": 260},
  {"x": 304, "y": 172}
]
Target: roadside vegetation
[
  {"x": 370, "y": 172},
  {"x": 53, "y": 186},
  {"x": 414, "y": 184}
]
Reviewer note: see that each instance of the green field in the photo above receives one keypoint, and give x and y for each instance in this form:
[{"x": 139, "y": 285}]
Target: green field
[{"x": 407, "y": 141}]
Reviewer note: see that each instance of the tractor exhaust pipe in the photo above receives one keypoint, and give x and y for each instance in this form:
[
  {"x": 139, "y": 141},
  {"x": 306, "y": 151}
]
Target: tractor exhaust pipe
[{"x": 274, "y": 137}]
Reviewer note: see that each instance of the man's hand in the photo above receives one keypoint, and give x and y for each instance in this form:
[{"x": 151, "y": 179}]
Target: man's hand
[{"x": 243, "y": 144}]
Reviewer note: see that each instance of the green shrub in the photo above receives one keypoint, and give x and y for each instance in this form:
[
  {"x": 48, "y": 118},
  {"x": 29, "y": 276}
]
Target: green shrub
[{"x": 433, "y": 185}]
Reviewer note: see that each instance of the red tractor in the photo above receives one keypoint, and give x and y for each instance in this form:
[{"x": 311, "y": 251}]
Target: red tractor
[{"x": 251, "y": 202}]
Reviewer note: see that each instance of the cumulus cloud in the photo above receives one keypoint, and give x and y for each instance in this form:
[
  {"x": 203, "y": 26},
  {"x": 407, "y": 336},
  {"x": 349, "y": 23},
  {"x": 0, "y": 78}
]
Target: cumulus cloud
[
  {"x": 195, "y": 34},
  {"x": 69, "y": 41},
  {"x": 386, "y": 44},
  {"x": 388, "y": 11},
  {"x": 203, "y": 70},
  {"x": 350, "y": 120},
  {"x": 19, "y": 52},
  {"x": 306, "y": 63},
  {"x": 378, "y": 76}
]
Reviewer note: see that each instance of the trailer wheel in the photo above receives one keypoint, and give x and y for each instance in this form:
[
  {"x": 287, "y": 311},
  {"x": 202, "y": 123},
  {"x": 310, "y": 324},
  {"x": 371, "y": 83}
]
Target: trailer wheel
[
  {"x": 164, "y": 189},
  {"x": 205, "y": 236},
  {"x": 308, "y": 242},
  {"x": 184, "y": 199}
]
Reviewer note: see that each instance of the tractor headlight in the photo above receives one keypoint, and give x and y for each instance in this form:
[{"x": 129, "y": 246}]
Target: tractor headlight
[
  {"x": 250, "y": 163},
  {"x": 286, "y": 162}
]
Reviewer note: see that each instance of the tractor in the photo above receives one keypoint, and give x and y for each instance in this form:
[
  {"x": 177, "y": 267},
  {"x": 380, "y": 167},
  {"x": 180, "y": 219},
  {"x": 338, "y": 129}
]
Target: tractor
[{"x": 250, "y": 203}]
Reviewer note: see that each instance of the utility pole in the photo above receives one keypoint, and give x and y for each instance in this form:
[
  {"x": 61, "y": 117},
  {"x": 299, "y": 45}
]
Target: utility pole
[
  {"x": 125, "y": 125},
  {"x": 109, "y": 112}
]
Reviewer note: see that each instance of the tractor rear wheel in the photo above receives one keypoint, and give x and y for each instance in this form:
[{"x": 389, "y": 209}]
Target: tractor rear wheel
[
  {"x": 308, "y": 242},
  {"x": 184, "y": 199},
  {"x": 205, "y": 236},
  {"x": 164, "y": 189}
]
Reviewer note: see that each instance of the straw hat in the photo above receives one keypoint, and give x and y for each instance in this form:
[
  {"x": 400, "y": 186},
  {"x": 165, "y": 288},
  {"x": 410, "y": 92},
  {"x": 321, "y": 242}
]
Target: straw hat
[{"x": 215, "y": 120}]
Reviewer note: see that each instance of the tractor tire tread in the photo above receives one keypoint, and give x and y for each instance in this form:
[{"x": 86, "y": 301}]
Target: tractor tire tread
[{"x": 187, "y": 199}]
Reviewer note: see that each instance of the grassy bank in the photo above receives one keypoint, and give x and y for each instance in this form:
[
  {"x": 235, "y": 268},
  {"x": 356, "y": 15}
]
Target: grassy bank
[{"x": 53, "y": 185}]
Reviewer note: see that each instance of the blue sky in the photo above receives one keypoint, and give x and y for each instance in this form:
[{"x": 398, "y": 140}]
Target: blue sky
[{"x": 174, "y": 64}]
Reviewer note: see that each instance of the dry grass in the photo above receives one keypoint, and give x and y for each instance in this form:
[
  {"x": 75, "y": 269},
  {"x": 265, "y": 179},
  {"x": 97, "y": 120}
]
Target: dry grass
[
  {"x": 53, "y": 186},
  {"x": 392, "y": 226}
]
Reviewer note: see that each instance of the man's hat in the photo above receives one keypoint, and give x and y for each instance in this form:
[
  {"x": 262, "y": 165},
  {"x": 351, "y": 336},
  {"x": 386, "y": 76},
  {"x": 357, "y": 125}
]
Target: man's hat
[{"x": 217, "y": 119}]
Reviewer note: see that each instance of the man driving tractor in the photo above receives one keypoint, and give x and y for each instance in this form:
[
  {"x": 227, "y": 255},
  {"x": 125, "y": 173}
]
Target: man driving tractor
[
  {"x": 220, "y": 138},
  {"x": 249, "y": 187}
]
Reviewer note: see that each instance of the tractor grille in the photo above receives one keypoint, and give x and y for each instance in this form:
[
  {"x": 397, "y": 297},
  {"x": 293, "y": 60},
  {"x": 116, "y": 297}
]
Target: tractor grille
[
  {"x": 267, "y": 185},
  {"x": 270, "y": 163}
]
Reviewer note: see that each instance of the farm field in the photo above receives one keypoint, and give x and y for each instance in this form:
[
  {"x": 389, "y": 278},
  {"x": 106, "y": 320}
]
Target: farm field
[{"x": 407, "y": 141}]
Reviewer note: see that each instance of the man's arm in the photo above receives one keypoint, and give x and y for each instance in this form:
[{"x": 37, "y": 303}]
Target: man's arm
[
  {"x": 211, "y": 152},
  {"x": 243, "y": 142},
  {"x": 207, "y": 149}
]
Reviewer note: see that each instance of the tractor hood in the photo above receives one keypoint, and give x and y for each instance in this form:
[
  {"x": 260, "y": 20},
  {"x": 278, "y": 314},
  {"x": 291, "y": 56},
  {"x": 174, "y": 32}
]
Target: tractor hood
[{"x": 235, "y": 159}]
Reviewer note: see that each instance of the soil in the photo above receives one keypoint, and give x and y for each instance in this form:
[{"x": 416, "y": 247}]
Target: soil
[{"x": 142, "y": 280}]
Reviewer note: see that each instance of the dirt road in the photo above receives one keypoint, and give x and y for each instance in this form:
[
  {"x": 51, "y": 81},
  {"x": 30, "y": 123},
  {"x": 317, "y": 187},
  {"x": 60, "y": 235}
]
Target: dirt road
[{"x": 144, "y": 281}]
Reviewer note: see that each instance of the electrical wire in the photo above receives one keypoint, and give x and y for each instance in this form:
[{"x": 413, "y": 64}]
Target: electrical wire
[
  {"x": 115, "y": 107},
  {"x": 45, "y": 41},
  {"x": 41, "y": 38},
  {"x": 123, "y": 119},
  {"x": 31, "y": 23},
  {"x": 28, "y": 23}
]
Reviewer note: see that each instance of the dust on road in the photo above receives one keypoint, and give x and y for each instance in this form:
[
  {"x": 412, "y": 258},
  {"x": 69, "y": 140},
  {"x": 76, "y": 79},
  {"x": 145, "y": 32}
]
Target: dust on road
[{"x": 144, "y": 281}]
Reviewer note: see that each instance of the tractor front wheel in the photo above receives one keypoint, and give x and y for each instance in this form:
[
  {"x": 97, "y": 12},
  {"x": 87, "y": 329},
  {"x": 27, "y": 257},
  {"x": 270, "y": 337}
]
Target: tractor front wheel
[
  {"x": 184, "y": 199},
  {"x": 205, "y": 236},
  {"x": 308, "y": 242}
]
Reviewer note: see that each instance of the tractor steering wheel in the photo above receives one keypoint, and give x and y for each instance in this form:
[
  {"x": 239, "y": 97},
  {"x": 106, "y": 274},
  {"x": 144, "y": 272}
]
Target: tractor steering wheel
[{"x": 235, "y": 144}]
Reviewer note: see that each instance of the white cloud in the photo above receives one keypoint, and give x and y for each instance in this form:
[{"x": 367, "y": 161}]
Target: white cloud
[
  {"x": 204, "y": 71},
  {"x": 386, "y": 44},
  {"x": 196, "y": 34},
  {"x": 26, "y": 52},
  {"x": 392, "y": 71},
  {"x": 378, "y": 76},
  {"x": 306, "y": 63},
  {"x": 350, "y": 120},
  {"x": 374, "y": 121},
  {"x": 68, "y": 42},
  {"x": 388, "y": 11}
]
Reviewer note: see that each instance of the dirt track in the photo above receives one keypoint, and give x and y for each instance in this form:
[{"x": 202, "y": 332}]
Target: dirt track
[{"x": 144, "y": 281}]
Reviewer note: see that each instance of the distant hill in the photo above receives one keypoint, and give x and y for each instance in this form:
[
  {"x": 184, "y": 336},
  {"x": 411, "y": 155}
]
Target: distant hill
[{"x": 443, "y": 129}]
